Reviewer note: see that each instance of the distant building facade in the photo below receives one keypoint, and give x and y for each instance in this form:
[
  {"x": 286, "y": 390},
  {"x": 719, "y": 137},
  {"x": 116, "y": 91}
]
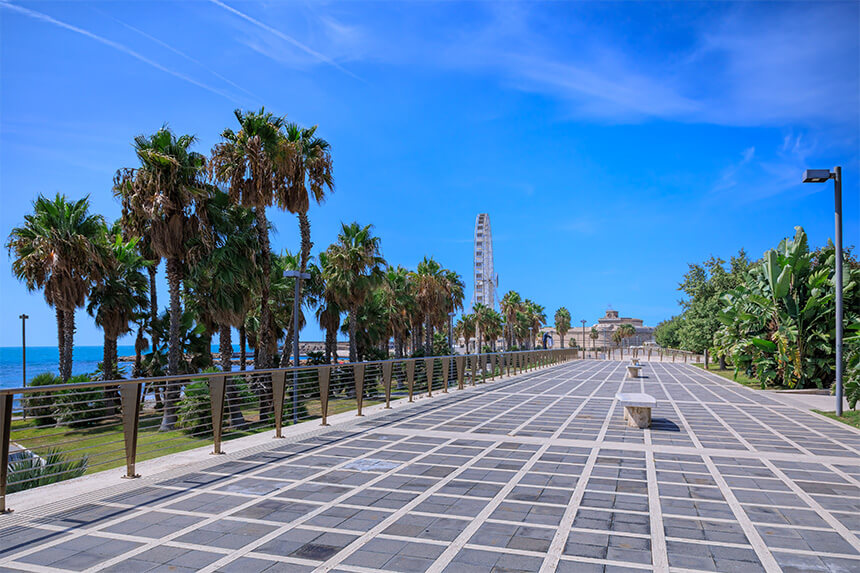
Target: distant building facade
[{"x": 605, "y": 327}]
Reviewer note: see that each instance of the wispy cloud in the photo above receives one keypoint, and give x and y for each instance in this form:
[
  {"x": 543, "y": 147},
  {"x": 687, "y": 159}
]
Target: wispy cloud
[
  {"x": 287, "y": 38},
  {"x": 180, "y": 53},
  {"x": 115, "y": 45}
]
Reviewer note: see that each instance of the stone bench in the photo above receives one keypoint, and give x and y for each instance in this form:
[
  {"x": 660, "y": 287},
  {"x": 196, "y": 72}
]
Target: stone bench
[
  {"x": 637, "y": 408},
  {"x": 633, "y": 371}
]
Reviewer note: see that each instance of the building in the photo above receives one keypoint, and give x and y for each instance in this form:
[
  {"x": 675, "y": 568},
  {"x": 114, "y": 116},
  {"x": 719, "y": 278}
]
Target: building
[{"x": 605, "y": 327}]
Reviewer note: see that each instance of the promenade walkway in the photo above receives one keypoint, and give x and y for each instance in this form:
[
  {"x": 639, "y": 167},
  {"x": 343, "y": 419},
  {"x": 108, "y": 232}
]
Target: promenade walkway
[{"x": 536, "y": 473}]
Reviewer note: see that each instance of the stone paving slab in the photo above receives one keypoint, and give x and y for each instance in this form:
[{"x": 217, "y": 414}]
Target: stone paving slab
[{"x": 535, "y": 473}]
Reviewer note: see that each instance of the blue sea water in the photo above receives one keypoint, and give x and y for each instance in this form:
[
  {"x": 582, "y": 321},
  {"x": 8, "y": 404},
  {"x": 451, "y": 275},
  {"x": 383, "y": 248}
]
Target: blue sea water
[{"x": 46, "y": 359}]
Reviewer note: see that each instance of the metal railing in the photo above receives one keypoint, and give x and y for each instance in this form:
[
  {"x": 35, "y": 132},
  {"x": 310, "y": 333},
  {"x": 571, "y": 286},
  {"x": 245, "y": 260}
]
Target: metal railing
[{"x": 52, "y": 433}]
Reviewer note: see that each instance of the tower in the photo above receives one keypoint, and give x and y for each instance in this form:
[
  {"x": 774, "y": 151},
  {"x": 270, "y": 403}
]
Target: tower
[{"x": 486, "y": 280}]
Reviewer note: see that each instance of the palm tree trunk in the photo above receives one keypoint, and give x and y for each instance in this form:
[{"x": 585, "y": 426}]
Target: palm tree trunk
[
  {"x": 305, "y": 233},
  {"x": 331, "y": 340},
  {"x": 109, "y": 358},
  {"x": 225, "y": 347},
  {"x": 61, "y": 338},
  {"x": 353, "y": 311},
  {"x": 398, "y": 345},
  {"x": 138, "y": 354},
  {"x": 153, "y": 305},
  {"x": 174, "y": 353},
  {"x": 68, "y": 343},
  {"x": 261, "y": 351},
  {"x": 288, "y": 350},
  {"x": 428, "y": 336},
  {"x": 243, "y": 343}
]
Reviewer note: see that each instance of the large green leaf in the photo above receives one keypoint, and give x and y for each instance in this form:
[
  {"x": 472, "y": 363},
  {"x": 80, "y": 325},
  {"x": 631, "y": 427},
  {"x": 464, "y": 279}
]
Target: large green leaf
[{"x": 765, "y": 345}]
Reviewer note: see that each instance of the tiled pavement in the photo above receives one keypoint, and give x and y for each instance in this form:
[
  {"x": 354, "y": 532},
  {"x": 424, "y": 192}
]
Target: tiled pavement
[{"x": 534, "y": 474}]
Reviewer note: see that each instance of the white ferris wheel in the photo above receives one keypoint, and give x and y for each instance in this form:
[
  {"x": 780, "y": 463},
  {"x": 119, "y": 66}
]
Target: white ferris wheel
[{"x": 486, "y": 279}]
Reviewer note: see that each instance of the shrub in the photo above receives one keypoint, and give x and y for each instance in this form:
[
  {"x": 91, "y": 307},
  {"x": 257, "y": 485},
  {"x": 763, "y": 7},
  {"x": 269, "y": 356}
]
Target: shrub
[
  {"x": 195, "y": 409},
  {"x": 52, "y": 467},
  {"x": 80, "y": 407},
  {"x": 40, "y": 405},
  {"x": 852, "y": 371}
]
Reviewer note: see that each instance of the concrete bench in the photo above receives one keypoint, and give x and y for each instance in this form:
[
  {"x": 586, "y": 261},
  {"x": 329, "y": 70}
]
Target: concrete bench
[
  {"x": 633, "y": 371},
  {"x": 637, "y": 408}
]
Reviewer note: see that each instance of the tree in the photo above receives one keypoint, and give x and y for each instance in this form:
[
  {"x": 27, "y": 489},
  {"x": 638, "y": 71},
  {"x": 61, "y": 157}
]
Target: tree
[
  {"x": 398, "y": 302},
  {"x": 465, "y": 327},
  {"x": 437, "y": 292},
  {"x": 666, "y": 332},
  {"x": 165, "y": 192},
  {"x": 483, "y": 318},
  {"x": 355, "y": 267},
  {"x": 309, "y": 174},
  {"x": 593, "y": 335},
  {"x": 328, "y": 312},
  {"x": 562, "y": 323},
  {"x": 255, "y": 163},
  {"x": 510, "y": 305},
  {"x": 61, "y": 250},
  {"x": 534, "y": 318},
  {"x": 119, "y": 297},
  {"x": 779, "y": 324}
]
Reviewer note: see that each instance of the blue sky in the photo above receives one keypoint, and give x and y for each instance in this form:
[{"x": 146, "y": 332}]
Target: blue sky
[{"x": 611, "y": 143}]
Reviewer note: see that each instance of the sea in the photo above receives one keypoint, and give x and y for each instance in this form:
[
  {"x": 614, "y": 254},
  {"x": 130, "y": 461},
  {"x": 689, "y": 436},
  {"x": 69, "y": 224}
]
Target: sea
[{"x": 46, "y": 359}]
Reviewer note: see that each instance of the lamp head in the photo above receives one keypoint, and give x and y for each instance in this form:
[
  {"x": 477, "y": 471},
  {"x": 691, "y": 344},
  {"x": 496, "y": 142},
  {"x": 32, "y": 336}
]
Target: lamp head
[{"x": 816, "y": 175}]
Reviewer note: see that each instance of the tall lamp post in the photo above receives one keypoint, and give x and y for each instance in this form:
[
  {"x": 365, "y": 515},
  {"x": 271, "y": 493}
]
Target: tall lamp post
[
  {"x": 24, "y": 318},
  {"x": 583, "y": 338},
  {"x": 296, "y": 275},
  {"x": 821, "y": 176}
]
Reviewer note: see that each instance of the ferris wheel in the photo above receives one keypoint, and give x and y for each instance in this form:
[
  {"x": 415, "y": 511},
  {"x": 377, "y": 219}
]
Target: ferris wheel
[{"x": 486, "y": 280}]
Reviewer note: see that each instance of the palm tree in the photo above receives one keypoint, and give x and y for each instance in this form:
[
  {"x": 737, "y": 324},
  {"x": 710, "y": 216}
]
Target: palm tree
[
  {"x": 165, "y": 192},
  {"x": 482, "y": 322},
  {"x": 328, "y": 312},
  {"x": 593, "y": 335},
  {"x": 562, "y": 323},
  {"x": 61, "y": 250},
  {"x": 465, "y": 327},
  {"x": 535, "y": 318},
  {"x": 398, "y": 302},
  {"x": 119, "y": 297},
  {"x": 253, "y": 163},
  {"x": 493, "y": 328},
  {"x": 511, "y": 304},
  {"x": 309, "y": 168},
  {"x": 355, "y": 267}
]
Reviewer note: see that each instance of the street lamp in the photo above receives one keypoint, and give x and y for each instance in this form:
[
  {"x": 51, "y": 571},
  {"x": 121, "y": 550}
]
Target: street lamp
[
  {"x": 583, "y": 338},
  {"x": 451, "y": 333},
  {"x": 820, "y": 176},
  {"x": 296, "y": 275}
]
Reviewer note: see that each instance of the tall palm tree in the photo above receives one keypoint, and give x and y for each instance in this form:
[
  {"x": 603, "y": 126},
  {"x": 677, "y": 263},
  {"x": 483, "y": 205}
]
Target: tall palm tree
[
  {"x": 309, "y": 170},
  {"x": 398, "y": 302},
  {"x": 535, "y": 318},
  {"x": 593, "y": 335},
  {"x": 493, "y": 328},
  {"x": 165, "y": 192},
  {"x": 328, "y": 312},
  {"x": 355, "y": 268},
  {"x": 60, "y": 249},
  {"x": 119, "y": 297},
  {"x": 252, "y": 162},
  {"x": 510, "y": 305},
  {"x": 465, "y": 327},
  {"x": 562, "y": 323},
  {"x": 483, "y": 318}
]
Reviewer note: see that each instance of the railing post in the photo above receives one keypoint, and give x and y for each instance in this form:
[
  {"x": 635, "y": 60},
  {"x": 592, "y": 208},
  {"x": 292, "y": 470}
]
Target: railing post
[
  {"x": 429, "y": 363},
  {"x": 410, "y": 377},
  {"x": 386, "y": 381},
  {"x": 279, "y": 388},
  {"x": 358, "y": 374},
  {"x": 446, "y": 370},
  {"x": 5, "y": 438},
  {"x": 129, "y": 396},
  {"x": 217, "y": 388},
  {"x": 460, "y": 361},
  {"x": 324, "y": 379}
]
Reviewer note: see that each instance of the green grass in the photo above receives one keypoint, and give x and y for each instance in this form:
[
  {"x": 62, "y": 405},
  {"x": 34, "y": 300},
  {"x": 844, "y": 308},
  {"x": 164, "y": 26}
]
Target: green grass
[
  {"x": 850, "y": 417},
  {"x": 729, "y": 374}
]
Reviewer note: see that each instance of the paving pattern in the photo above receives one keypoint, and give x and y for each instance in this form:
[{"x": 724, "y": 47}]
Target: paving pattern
[{"x": 537, "y": 473}]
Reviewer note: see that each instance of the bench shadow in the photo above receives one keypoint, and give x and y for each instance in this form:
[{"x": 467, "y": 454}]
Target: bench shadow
[{"x": 664, "y": 425}]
